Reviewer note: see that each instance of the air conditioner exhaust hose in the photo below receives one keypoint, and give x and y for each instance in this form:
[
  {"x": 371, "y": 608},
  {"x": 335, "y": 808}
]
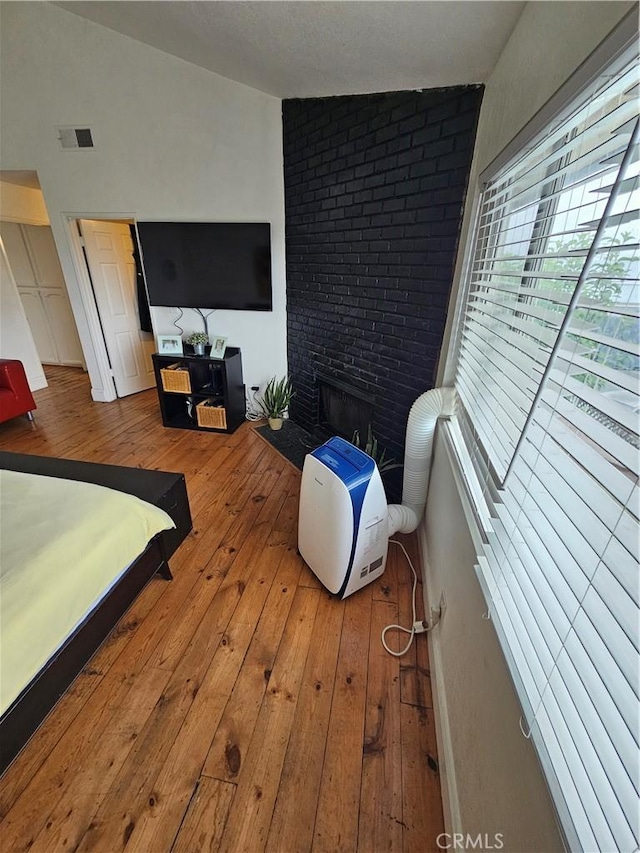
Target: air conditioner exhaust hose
[{"x": 421, "y": 427}]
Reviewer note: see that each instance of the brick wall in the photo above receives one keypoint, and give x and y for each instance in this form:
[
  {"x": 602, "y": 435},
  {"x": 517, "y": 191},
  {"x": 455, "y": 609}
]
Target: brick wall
[{"x": 374, "y": 190}]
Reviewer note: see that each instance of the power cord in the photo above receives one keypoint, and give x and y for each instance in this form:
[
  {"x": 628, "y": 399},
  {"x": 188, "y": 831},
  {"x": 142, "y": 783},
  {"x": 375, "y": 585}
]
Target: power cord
[
  {"x": 253, "y": 411},
  {"x": 418, "y": 626},
  {"x": 175, "y": 322},
  {"x": 205, "y": 318}
]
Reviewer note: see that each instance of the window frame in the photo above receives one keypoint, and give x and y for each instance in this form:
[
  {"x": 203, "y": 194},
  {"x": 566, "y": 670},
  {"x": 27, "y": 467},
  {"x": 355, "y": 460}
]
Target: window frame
[
  {"x": 608, "y": 52},
  {"x": 610, "y": 55}
]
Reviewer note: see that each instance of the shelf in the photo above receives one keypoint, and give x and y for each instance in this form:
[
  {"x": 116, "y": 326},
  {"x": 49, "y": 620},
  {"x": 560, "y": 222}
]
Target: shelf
[
  {"x": 201, "y": 392},
  {"x": 219, "y": 380},
  {"x": 210, "y": 391},
  {"x": 181, "y": 422}
]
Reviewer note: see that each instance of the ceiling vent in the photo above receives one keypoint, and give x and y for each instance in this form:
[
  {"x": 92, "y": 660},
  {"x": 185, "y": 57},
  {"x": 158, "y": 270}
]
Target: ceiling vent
[{"x": 75, "y": 138}]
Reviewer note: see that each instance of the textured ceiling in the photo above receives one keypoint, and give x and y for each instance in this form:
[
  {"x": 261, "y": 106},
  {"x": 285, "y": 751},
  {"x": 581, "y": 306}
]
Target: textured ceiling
[{"x": 316, "y": 48}]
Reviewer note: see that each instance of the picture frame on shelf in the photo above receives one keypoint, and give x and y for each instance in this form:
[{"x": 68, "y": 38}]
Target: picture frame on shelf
[
  {"x": 169, "y": 345},
  {"x": 218, "y": 346}
]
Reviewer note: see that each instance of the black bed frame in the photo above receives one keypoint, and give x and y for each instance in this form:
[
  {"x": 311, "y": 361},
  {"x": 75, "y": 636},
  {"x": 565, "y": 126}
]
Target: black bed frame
[{"x": 161, "y": 488}]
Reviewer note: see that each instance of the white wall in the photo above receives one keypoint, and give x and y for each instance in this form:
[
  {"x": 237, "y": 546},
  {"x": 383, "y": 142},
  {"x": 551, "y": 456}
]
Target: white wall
[
  {"x": 172, "y": 142},
  {"x": 492, "y": 782},
  {"x": 491, "y": 775}
]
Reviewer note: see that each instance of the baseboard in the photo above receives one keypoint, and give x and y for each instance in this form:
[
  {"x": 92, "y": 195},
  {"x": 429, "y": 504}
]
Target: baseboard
[
  {"x": 98, "y": 395},
  {"x": 37, "y": 381},
  {"x": 449, "y": 788}
]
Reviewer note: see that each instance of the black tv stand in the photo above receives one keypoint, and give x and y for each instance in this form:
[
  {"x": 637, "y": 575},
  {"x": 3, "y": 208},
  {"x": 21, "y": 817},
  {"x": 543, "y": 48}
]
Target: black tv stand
[{"x": 200, "y": 392}]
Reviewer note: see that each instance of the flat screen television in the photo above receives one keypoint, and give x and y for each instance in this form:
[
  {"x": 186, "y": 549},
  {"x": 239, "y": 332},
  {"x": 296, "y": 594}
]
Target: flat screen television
[{"x": 207, "y": 264}]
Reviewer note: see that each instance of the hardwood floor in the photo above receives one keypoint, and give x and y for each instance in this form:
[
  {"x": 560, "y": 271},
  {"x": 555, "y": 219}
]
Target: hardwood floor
[{"x": 238, "y": 707}]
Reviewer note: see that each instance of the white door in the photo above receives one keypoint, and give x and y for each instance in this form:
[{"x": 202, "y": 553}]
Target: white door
[
  {"x": 34, "y": 262},
  {"x": 109, "y": 251},
  {"x": 40, "y": 328},
  {"x": 58, "y": 312}
]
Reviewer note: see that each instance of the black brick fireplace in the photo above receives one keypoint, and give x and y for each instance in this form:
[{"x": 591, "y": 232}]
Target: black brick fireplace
[
  {"x": 374, "y": 193},
  {"x": 342, "y": 410}
]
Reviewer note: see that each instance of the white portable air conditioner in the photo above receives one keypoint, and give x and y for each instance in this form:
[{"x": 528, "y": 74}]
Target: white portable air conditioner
[{"x": 342, "y": 525}]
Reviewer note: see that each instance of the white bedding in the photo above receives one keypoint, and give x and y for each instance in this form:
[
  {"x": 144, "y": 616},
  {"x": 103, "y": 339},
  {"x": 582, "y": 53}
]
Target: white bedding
[{"x": 63, "y": 544}]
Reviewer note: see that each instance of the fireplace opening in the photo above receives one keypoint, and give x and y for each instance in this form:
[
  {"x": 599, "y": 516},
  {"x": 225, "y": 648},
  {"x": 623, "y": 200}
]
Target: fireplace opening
[{"x": 343, "y": 409}]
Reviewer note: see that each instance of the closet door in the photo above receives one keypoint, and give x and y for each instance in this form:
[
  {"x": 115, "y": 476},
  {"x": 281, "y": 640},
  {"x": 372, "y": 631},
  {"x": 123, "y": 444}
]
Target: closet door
[
  {"x": 34, "y": 262},
  {"x": 44, "y": 256},
  {"x": 39, "y": 324},
  {"x": 53, "y": 294},
  {"x": 59, "y": 317}
]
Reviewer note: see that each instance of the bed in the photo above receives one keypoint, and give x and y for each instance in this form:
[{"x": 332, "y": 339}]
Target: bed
[{"x": 52, "y": 587}]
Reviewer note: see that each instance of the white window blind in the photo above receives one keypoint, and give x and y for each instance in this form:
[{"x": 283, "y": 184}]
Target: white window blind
[{"x": 548, "y": 378}]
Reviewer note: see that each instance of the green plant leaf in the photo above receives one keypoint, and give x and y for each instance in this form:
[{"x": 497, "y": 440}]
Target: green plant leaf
[
  {"x": 276, "y": 397},
  {"x": 198, "y": 338},
  {"x": 371, "y": 448}
]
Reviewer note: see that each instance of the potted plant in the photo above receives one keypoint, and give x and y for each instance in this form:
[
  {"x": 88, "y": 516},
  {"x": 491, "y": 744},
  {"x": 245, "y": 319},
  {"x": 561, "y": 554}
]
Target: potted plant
[
  {"x": 275, "y": 400},
  {"x": 198, "y": 341},
  {"x": 385, "y": 463},
  {"x": 378, "y": 454}
]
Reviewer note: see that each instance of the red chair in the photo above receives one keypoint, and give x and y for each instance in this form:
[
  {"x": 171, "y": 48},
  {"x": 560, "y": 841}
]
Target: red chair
[{"x": 15, "y": 394}]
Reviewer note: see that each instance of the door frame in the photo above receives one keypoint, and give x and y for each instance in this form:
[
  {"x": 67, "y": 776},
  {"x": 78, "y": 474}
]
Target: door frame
[{"x": 85, "y": 286}]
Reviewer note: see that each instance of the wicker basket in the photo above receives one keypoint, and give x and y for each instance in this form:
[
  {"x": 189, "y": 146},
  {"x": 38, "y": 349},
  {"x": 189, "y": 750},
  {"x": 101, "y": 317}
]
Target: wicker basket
[
  {"x": 212, "y": 417},
  {"x": 176, "y": 378}
]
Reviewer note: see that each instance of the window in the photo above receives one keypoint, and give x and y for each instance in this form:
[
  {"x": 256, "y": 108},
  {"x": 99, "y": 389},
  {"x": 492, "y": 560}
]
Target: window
[{"x": 547, "y": 379}]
